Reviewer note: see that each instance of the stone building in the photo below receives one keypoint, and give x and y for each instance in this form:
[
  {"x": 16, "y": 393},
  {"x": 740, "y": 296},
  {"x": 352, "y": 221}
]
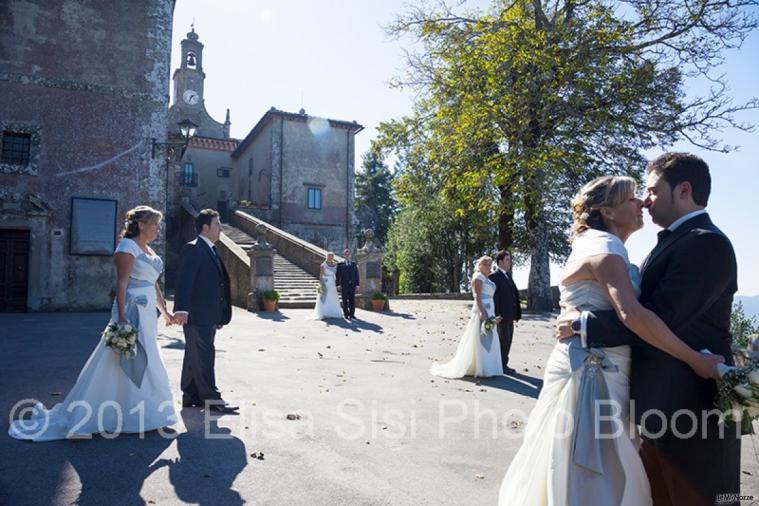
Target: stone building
[
  {"x": 84, "y": 89},
  {"x": 296, "y": 172}
]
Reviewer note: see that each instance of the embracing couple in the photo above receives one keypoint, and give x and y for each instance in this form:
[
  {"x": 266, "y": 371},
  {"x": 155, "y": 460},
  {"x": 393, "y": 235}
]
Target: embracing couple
[
  {"x": 627, "y": 361},
  {"x": 136, "y": 390}
]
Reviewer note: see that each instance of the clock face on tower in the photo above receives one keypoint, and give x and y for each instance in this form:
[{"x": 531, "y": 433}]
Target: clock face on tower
[{"x": 191, "y": 97}]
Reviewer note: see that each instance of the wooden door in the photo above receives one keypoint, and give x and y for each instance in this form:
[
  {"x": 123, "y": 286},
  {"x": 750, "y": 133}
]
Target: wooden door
[{"x": 14, "y": 270}]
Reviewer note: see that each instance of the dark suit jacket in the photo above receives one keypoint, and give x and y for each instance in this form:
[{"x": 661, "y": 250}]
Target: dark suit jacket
[
  {"x": 506, "y": 297},
  {"x": 347, "y": 275},
  {"x": 688, "y": 280},
  {"x": 202, "y": 286}
]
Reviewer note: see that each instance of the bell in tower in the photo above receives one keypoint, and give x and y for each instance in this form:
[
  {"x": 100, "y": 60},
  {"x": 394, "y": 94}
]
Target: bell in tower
[{"x": 191, "y": 60}]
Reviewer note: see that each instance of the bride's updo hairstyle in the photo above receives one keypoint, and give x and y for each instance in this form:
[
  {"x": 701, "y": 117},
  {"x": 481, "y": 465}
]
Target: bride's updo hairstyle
[
  {"x": 480, "y": 261},
  {"x": 133, "y": 217},
  {"x": 605, "y": 191}
]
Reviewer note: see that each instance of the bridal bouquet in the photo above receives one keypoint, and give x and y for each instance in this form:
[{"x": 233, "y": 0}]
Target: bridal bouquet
[
  {"x": 738, "y": 394},
  {"x": 487, "y": 325},
  {"x": 121, "y": 338}
]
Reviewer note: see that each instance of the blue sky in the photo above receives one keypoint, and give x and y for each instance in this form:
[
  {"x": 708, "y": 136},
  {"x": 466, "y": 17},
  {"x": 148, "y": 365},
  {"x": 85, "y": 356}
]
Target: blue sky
[{"x": 333, "y": 59}]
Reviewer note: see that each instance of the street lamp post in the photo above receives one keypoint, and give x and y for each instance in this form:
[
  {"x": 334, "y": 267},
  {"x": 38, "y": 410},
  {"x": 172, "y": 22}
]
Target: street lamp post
[{"x": 187, "y": 128}]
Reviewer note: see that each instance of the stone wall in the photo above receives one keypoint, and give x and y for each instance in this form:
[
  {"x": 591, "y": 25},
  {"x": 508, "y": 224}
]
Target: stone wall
[
  {"x": 317, "y": 155},
  {"x": 284, "y": 155},
  {"x": 90, "y": 82},
  {"x": 210, "y": 189}
]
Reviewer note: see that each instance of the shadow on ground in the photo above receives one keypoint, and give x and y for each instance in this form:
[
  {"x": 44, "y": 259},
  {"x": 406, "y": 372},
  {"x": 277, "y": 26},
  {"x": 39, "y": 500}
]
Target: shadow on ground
[
  {"x": 515, "y": 382},
  {"x": 210, "y": 459}
]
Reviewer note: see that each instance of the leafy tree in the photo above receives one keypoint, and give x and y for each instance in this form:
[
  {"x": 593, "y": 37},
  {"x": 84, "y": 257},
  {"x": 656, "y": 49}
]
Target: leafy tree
[
  {"x": 532, "y": 98},
  {"x": 375, "y": 202},
  {"x": 742, "y": 326}
]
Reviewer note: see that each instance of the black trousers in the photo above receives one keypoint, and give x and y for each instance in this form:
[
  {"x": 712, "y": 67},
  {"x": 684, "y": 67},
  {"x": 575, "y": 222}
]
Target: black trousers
[
  {"x": 349, "y": 300},
  {"x": 505, "y": 335},
  {"x": 198, "y": 377},
  {"x": 693, "y": 471}
]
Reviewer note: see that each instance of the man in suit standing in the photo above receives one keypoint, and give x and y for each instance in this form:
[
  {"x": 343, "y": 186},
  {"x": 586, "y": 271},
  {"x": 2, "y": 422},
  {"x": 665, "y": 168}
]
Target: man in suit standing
[
  {"x": 202, "y": 305},
  {"x": 506, "y": 301},
  {"x": 347, "y": 280},
  {"x": 688, "y": 280}
]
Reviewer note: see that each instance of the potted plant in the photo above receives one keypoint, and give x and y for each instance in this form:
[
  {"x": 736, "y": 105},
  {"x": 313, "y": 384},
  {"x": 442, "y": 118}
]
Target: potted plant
[
  {"x": 270, "y": 299},
  {"x": 378, "y": 301}
]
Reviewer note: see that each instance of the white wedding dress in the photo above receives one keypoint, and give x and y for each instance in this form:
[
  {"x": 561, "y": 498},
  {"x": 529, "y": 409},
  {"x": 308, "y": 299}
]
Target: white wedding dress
[
  {"x": 104, "y": 398},
  {"x": 477, "y": 354},
  {"x": 559, "y": 462},
  {"x": 327, "y": 304}
]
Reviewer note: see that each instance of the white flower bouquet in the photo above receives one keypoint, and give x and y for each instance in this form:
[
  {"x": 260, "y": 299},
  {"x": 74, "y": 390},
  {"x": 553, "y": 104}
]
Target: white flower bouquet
[
  {"x": 121, "y": 338},
  {"x": 487, "y": 325},
  {"x": 738, "y": 394}
]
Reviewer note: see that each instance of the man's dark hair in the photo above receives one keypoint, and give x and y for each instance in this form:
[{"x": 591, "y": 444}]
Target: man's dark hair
[
  {"x": 205, "y": 217},
  {"x": 675, "y": 168},
  {"x": 500, "y": 256}
]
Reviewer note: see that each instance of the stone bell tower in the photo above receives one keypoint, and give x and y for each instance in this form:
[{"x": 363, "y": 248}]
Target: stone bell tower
[{"x": 188, "y": 101}]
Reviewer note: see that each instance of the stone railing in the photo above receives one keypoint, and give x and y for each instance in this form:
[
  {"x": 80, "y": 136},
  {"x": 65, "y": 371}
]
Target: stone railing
[{"x": 305, "y": 255}]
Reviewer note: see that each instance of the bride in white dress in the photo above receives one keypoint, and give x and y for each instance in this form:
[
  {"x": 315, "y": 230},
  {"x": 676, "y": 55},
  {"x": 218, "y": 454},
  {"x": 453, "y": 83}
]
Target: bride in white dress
[
  {"x": 112, "y": 394},
  {"x": 478, "y": 353},
  {"x": 327, "y": 303},
  {"x": 560, "y": 461}
]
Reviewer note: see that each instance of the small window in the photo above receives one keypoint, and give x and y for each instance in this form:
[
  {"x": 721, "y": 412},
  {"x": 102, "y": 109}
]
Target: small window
[
  {"x": 189, "y": 178},
  {"x": 16, "y": 148},
  {"x": 223, "y": 171},
  {"x": 314, "y": 198}
]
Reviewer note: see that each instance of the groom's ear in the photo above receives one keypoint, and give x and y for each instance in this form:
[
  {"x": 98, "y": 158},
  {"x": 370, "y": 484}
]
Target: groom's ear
[{"x": 684, "y": 190}]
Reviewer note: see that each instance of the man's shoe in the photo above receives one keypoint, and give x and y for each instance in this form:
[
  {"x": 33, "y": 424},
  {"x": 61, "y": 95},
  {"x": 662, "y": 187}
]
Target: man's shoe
[
  {"x": 509, "y": 370},
  {"x": 223, "y": 410},
  {"x": 222, "y": 403},
  {"x": 191, "y": 404}
]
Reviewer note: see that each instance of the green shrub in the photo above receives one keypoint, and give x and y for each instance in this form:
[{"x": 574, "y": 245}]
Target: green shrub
[{"x": 270, "y": 295}]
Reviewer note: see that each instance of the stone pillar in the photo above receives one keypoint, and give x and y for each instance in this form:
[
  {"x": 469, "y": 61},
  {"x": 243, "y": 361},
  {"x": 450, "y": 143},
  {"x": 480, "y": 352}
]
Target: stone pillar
[
  {"x": 261, "y": 269},
  {"x": 369, "y": 261}
]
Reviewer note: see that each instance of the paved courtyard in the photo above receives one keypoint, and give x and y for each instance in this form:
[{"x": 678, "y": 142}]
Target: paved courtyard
[{"x": 369, "y": 424}]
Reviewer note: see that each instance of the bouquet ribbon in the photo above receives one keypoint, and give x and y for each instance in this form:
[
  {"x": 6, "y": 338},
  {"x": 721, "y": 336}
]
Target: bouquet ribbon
[
  {"x": 595, "y": 464},
  {"x": 136, "y": 366}
]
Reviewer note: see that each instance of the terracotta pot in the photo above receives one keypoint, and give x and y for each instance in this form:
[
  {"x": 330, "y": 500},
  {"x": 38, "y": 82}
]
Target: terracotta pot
[
  {"x": 270, "y": 305},
  {"x": 377, "y": 305}
]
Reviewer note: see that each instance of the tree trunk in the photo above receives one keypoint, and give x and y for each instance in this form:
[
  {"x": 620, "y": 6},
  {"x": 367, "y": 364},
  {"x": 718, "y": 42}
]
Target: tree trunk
[
  {"x": 505, "y": 219},
  {"x": 539, "y": 297}
]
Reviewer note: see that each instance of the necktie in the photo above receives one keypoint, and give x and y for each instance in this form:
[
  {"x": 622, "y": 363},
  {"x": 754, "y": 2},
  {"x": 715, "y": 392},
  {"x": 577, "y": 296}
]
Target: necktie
[{"x": 662, "y": 236}]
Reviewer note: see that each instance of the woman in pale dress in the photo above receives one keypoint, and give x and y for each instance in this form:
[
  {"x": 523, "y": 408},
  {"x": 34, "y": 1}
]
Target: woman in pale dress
[
  {"x": 113, "y": 394},
  {"x": 327, "y": 303},
  {"x": 561, "y": 460},
  {"x": 478, "y": 353}
]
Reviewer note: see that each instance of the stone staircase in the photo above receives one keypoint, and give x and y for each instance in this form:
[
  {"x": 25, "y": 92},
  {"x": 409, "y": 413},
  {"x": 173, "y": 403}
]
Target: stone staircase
[{"x": 296, "y": 287}]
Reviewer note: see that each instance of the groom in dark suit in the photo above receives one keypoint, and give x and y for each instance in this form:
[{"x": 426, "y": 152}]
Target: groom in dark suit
[
  {"x": 202, "y": 305},
  {"x": 347, "y": 279},
  {"x": 506, "y": 301},
  {"x": 688, "y": 280}
]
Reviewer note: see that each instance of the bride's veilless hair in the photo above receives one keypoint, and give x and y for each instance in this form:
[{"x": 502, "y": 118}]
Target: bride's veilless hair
[
  {"x": 605, "y": 191},
  {"x": 133, "y": 218},
  {"x": 479, "y": 261}
]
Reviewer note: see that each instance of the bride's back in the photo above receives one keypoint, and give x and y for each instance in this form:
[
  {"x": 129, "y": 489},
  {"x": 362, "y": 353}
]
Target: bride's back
[{"x": 579, "y": 290}]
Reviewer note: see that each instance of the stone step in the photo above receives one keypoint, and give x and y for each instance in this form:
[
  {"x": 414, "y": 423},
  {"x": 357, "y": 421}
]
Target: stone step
[{"x": 297, "y": 288}]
